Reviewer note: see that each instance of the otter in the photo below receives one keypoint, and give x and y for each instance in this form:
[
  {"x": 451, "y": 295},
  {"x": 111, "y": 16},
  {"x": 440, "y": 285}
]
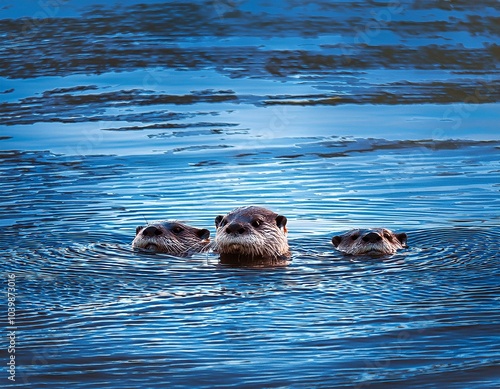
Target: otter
[
  {"x": 171, "y": 237},
  {"x": 373, "y": 242},
  {"x": 252, "y": 236}
]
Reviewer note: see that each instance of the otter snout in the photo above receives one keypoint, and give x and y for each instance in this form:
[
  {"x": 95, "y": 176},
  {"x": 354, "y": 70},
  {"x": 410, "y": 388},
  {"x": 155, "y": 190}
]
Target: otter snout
[
  {"x": 236, "y": 229},
  {"x": 372, "y": 237},
  {"x": 151, "y": 231}
]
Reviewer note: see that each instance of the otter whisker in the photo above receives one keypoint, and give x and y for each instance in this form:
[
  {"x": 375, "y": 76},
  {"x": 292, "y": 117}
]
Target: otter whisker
[{"x": 198, "y": 247}]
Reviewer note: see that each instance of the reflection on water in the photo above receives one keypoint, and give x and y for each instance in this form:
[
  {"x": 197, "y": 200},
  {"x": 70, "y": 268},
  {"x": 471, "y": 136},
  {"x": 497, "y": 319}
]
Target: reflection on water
[{"x": 334, "y": 114}]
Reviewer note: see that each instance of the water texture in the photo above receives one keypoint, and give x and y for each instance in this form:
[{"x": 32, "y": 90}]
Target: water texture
[{"x": 335, "y": 114}]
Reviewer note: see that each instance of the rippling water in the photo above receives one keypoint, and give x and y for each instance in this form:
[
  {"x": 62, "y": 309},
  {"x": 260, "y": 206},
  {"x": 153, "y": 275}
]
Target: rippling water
[{"x": 334, "y": 114}]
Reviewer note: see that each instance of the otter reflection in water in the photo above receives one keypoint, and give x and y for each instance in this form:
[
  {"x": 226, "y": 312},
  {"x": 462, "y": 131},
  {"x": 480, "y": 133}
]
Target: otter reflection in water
[
  {"x": 374, "y": 242},
  {"x": 252, "y": 236},
  {"x": 171, "y": 237}
]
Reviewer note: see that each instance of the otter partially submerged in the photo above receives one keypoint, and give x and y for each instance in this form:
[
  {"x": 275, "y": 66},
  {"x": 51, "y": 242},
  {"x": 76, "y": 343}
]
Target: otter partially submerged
[
  {"x": 171, "y": 237},
  {"x": 252, "y": 236},
  {"x": 374, "y": 242}
]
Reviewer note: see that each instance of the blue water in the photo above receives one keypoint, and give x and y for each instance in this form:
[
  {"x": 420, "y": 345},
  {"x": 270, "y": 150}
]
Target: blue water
[{"x": 335, "y": 114}]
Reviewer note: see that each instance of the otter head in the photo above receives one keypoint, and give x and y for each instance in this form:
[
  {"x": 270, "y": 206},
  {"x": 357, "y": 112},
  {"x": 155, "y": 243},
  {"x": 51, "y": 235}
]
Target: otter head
[
  {"x": 374, "y": 242},
  {"x": 251, "y": 234},
  {"x": 171, "y": 237}
]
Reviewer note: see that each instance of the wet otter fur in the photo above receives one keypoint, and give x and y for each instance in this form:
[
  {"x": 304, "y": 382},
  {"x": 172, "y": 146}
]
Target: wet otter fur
[
  {"x": 373, "y": 242},
  {"x": 171, "y": 237},
  {"x": 252, "y": 236}
]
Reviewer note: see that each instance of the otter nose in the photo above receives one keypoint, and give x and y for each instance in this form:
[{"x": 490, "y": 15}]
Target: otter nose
[
  {"x": 372, "y": 237},
  {"x": 235, "y": 228},
  {"x": 151, "y": 231}
]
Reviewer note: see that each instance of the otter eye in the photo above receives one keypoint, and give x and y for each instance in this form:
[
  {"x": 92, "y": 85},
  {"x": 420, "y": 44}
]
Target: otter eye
[
  {"x": 177, "y": 230},
  {"x": 388, "y": 236},
  {"x": 256, "y": 223},
  {"x": 354, "y": 237}
]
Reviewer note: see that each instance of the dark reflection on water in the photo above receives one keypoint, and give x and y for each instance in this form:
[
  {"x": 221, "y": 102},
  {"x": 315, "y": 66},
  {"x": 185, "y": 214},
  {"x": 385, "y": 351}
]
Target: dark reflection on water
[
  {"x": 149, "y": 35},
  {"x": 335, "y": 114}
]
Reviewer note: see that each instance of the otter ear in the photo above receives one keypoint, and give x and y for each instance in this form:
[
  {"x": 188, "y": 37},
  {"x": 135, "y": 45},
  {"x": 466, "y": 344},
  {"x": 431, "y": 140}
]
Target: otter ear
[
  {"x": 203, "y": 233},
  {"x": 336, "y": 240},
  {"x": 218, "y": 219},
  {"x": 402, "y": 237},
  {"x": 138, "y": 229},
  {"x": 281, "y": 221}
]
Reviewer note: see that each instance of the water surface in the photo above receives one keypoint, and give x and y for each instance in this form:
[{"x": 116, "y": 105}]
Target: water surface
[{"x": 334, "y": 114}]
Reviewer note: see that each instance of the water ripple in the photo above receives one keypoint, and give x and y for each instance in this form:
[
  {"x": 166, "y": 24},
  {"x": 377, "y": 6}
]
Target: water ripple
[{"x": 335, "y": 114}]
